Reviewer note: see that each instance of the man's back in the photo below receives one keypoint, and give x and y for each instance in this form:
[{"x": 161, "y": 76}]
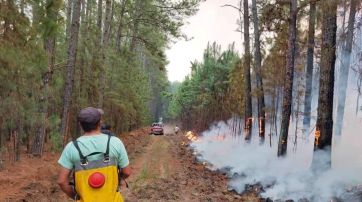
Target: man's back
[
  {"x": 94, "y": 143},
  {"x": 95, "y": 159}
]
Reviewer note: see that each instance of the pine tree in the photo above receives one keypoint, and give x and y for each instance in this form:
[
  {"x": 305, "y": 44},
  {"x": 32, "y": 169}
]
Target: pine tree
[
  {"x": 288, "y": 86},
  {"x": 345, "y": 66},
  {"x": 50, "y": 21},
  {"x": 258, "y": 75},
  {"x": 71, "y": 60},
  {"x": 309, "y": 68},
  {"x": 248, "y": 116},
  {"x": 324, "y": 127}
]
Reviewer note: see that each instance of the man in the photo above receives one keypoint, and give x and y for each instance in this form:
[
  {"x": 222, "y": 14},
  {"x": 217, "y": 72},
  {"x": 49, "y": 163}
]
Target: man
[
  {"x": 177, "y": 129},
  {"x": 94, "y": 157},
  {"x": 106, "y": 129}
]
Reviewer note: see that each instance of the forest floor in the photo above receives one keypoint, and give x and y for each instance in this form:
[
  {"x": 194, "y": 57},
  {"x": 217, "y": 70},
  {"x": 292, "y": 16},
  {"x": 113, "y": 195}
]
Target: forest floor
[{"x": 163, "y": 167}]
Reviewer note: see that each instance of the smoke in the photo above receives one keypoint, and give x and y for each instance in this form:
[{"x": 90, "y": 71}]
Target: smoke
[
  {"x": 347, "y": 146},
  {"x": 282, "y": 178},
  {"x": 291, "y": 177}
]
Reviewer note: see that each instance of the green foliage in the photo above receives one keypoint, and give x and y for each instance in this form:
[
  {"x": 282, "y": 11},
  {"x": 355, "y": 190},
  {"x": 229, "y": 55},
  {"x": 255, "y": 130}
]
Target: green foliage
[
  {"x": 54, "y": 122},
  {"x": 22, "y": 60},
  {"x": 201, "y": 97},
  {"x": 235, "y": 100},
  {"x": 173, "y": 109},
  {"x": 136, "y": 80}
]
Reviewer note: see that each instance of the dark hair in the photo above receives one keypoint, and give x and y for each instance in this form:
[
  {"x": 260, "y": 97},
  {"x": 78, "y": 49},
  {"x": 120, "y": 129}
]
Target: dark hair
[{"x": 87, "y": 127}]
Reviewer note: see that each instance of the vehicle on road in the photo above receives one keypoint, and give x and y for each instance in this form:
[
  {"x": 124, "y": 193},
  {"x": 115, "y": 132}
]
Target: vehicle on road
[{"x": 157, "y": 129}]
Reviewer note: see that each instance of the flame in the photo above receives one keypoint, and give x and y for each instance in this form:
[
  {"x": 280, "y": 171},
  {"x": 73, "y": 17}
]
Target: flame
[
  {"x": 220, "y": 138},
  {"x": 194, "y": 138},
  {"x": 191, "y": 136},
  {"x": 317, "y": 136},
  {"x": 260, "y": 124}
]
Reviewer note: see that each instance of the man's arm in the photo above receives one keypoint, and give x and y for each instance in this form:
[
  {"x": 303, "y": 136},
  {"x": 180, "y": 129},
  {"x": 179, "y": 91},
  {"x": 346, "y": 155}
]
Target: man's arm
[
  {"x": 63, "y": 181},
  {"x": 126, "y": 172},
  {"x": 123, "y": 161}
]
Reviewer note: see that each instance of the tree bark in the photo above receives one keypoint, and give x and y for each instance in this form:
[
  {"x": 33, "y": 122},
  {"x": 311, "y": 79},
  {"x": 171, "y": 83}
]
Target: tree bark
[
  {"x": 106, "y": 36},
  {"x": 72, "y": 54},
  {"x": 259, "y": 79},
  {"x": 248, "y": 117},
  {"x": 326, "y": 81},
  {"x": 69, "y": 17},
  {"x": 120, "y": 27},
  {"x": 16, "y": 145},
  {"x": 49, "y": 46},
  {"x": 344, "y": 68},
  {"x": 99, "y": 22},
  {"x": 98, "y": 48},
  {"x": 324, "y": 127},
  {"x": 288, "y": 84},
  {"x": 138, "y": 6},
  {"x": 38, "y": 144},
  {"x": 309, "y": 70},
  {"x": 83, "y": 47},
  {"x": 17, "y": 132}
]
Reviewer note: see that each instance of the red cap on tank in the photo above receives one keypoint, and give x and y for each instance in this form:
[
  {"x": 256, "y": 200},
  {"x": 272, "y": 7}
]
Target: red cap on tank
[{"x": 96, "y": 180}]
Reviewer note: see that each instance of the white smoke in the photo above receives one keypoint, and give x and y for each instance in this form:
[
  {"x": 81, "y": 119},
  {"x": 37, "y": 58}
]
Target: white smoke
[
  {"x": 282, "y": 178},
  {"x": 291, "y": 177}
]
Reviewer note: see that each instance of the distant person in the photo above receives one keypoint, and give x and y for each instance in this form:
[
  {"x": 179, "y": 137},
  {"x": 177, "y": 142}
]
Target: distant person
[
  {"x": 97, "y": 160},
  {"x": 177, "y": 129},
  {"x": 106, "y": 129}
]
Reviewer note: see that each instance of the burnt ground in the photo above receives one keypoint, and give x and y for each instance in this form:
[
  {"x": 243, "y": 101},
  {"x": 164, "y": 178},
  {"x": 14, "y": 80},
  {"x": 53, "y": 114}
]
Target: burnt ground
[{"x": 164, "y": 169}]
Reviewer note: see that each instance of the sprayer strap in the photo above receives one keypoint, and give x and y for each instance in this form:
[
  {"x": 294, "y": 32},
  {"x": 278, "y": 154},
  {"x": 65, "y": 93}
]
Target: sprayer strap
[
  {"x": 106, "y": 155},
  {"x": 94, "y": 153},
  {"x": 83, "y": 159}
]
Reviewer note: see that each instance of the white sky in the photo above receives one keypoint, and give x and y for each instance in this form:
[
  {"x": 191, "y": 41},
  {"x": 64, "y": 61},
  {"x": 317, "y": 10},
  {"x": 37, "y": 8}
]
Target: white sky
[{"x": 211, "y": 23}]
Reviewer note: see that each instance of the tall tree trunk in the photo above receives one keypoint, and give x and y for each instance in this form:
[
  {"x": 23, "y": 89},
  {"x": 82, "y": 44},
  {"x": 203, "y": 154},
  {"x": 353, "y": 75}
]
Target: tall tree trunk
[
  {"x": 288, "y": 84},
  {"x": 99, "y": 21},
  {"x": 259, "y": 79},
  {"x": 14, "y": 139},
  {"x": 37, "y": 147},
  {"x": 98, "y": 49},
  {"x": 83, "y": 47},
  {"x": 69, "y": 18},
  {"x": 138, "y": 6},
  {"x": 248, "y": 117},
  {"x": 20, "y": 130},
  {"x": 344, "y": 68},
  {"x": 120, "y": 27},
  {"x": 323, "y": 134},
  {"x": 49, "y": 46},
  {"x": 72, "y": 54},
  {"x": 309, "y": 70},
  {"x": 85, "y": 28},
  {"x": 106, "y": 36}
]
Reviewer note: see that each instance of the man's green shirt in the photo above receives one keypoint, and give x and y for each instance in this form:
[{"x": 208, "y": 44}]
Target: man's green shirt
[{"x": 94, "y": 143}]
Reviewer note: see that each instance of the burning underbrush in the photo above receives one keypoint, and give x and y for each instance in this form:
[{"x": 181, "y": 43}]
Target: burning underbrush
[{"x": 255, "y": 168}]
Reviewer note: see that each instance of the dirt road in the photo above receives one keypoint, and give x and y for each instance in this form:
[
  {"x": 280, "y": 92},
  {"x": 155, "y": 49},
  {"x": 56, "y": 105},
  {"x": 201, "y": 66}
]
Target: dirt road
[
  {"x": 164, "y": 169},
  {"x": 153, "y": 170},
  {"x": 167, "y": 171}
]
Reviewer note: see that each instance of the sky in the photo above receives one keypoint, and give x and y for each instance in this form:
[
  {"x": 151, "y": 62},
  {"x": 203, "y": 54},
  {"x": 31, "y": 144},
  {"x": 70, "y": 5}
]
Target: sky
[{"x": 211, "y": 23}]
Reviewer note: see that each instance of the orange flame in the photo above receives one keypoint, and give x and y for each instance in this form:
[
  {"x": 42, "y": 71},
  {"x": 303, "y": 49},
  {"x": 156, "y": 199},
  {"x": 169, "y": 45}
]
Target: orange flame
[
  {"x": 317, "y": 136},
  {"x": 191, "y": 136}
]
